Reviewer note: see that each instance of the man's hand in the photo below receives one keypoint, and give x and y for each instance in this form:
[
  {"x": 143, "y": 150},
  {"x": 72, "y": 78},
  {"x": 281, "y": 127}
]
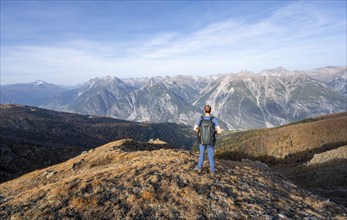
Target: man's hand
[
  {"x": 196, "y": 128},
  {"x": 219, "y": 130}
]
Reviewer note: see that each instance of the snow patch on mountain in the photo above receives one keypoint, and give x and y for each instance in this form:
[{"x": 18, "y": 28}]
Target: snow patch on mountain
[{"x": 39, "y": 82}]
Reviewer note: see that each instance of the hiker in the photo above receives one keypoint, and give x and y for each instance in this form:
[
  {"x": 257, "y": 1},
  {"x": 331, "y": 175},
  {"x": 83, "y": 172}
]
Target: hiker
[{"x": 206, "y": 127}]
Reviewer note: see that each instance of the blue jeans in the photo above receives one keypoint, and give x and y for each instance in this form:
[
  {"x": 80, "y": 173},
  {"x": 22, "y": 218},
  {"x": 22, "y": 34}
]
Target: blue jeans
[{"x": 210, "y": 154}]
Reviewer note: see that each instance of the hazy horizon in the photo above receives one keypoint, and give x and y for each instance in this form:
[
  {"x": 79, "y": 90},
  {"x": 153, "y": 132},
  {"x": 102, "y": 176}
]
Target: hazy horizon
[
  {"x": 68, "y": 43},
  {"x": 110, "y": 75}
]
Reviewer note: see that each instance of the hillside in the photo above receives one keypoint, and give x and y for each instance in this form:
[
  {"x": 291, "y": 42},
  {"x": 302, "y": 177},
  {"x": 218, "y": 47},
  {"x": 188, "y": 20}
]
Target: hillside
[
  {"x": 135, "y": 180},
  {"x": 294, "y": 141},
  {"x": 32, "y": 138},
  {"x": 325, "y": 174},
  {"x": 309, "y": 152}
]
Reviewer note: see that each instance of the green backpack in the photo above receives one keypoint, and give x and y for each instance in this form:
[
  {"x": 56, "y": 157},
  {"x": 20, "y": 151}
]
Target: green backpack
[{"x": 207, "y": 131}]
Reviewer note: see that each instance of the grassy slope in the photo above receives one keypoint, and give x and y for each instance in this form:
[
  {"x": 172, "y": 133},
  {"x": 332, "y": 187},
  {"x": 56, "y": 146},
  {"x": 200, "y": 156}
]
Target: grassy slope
[
  {"x": 289, "y": 148},
  {"x": 134, "y": 180},
  {"x": 289, "y": 143}
]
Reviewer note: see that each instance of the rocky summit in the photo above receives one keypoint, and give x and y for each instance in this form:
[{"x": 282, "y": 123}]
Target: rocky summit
[{"x": 137, "y": 180}]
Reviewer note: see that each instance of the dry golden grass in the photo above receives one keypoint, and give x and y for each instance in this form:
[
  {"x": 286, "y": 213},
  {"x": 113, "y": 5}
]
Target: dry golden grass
[
  {"x": 147, "y": 195},
  {"x": 290, "y": 142},
  {"x": 112, "y": 183}
]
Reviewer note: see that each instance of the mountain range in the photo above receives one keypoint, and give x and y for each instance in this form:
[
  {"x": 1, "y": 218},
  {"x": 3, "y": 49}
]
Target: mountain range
[{"x": 240, "y": 101}]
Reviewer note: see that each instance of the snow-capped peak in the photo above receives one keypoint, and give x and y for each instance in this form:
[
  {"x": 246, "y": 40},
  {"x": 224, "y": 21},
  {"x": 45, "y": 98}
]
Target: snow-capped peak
[{"x": 39, "y": 82}]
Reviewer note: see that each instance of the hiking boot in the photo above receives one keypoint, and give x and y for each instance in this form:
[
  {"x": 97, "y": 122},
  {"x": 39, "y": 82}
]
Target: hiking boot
[
  {"x": 198, "y": 169},
  {"x": 213, "y": 174}
]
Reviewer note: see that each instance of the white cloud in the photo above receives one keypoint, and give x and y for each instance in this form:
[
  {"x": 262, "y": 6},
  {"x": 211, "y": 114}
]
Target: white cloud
[
  {"x": 295, "y": 31},
  {"x": 161, "y": 39}
]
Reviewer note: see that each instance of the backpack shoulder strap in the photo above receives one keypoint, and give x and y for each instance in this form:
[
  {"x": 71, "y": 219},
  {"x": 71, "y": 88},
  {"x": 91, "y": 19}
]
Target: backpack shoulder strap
[
  {"x": 201, "y": 119},
  {"x": 212, "y": 121}
]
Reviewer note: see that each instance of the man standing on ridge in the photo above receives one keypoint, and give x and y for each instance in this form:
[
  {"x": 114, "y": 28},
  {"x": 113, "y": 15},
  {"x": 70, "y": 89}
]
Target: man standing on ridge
[{"x": 206, "y": 127}]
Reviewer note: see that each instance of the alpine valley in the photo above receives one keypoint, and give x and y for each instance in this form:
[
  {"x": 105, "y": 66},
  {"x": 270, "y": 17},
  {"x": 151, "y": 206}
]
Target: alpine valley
[{"x": 240, "y": 101}]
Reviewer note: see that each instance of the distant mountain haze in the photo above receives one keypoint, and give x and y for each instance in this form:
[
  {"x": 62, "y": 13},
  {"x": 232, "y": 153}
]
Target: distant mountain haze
[
  {"x": 29, "y": 93},
  {"x": 240, "y": 101}
]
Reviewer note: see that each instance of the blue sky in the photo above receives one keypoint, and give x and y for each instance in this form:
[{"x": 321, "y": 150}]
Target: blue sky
[{"x": 68, "y": 42}]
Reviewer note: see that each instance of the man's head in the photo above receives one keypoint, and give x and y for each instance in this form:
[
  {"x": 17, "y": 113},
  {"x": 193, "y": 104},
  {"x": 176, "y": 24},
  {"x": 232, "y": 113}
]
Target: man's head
[{"x": 207, "y": 109}]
